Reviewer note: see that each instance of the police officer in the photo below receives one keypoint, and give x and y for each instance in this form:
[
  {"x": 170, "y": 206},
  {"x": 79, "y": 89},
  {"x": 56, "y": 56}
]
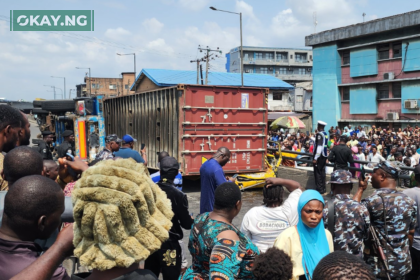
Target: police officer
[
  {"x": 67, "y": 145},
  {"x": 44, "y": 147},
  {"x": 393, "y": 216},
  {"x": 349, "y": 220},
  {"x": 320, "y": 157}
]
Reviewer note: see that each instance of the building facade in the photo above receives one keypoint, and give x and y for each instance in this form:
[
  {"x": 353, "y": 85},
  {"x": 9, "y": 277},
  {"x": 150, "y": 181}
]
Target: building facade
[
  {"x": 369, "y": 73},
  {"x": 107, "y": 86},
  {"x": 290, "y": 65}
]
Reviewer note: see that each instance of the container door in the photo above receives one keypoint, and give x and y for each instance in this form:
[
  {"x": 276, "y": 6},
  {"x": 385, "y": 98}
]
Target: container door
[{"x": 215, "y": 117}]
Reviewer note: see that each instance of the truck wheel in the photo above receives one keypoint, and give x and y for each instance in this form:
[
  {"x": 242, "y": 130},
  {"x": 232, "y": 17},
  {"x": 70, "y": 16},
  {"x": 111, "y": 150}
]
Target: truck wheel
[{"x": 58, "y": 105}]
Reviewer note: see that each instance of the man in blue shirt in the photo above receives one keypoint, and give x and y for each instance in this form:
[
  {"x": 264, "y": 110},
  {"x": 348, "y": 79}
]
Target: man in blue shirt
[
  {"x": 126, "y": 151},
  {"x": 156, "y": 176},
  {"x": 212, "y": 176}
]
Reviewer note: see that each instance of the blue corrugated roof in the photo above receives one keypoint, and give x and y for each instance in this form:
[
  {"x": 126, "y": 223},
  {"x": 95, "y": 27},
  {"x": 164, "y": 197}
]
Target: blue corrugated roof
[{"x": 165, "y": 78}]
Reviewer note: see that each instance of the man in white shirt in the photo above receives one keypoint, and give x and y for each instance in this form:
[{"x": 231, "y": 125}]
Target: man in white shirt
[
  {"x": 375, "y": 156},
  {"x": 262, "y": 224}
]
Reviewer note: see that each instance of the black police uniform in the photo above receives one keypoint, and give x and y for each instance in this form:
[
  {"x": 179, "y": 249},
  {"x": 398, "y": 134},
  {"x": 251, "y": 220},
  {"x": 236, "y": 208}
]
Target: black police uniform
[
  {"x": 65, "y": 148},
  {"x": 44, "y": 150}
]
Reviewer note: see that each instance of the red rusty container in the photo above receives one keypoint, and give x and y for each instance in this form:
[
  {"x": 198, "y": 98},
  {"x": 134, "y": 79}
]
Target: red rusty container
[{"x": 192, "y": 121}]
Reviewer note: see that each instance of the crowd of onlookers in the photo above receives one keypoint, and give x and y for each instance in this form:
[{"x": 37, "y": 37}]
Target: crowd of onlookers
[{"x": 373, "y": 144}]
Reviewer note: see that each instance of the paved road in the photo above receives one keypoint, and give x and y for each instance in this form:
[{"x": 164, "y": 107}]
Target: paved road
[{"x": 34, "y": 130}]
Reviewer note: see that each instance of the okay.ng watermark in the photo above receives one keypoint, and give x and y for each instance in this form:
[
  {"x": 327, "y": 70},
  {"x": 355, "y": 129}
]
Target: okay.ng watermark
[{"x": 51, "y": 20}]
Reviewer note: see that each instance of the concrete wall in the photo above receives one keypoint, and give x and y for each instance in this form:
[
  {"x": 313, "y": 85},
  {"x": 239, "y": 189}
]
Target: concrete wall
[
  {"x": 327, "y": 76},
  {"x": 393, "y": 66},
  {"x": 363, "y": 100},
  {"x": 410, "y": 90},
  {"x": 395, "y": 22},
  {"x": 145, "y": 85},
  {"x": 384, "y": 106},
  {"x": 127, "y": 81},
  {"x": 363, "y": 62}
]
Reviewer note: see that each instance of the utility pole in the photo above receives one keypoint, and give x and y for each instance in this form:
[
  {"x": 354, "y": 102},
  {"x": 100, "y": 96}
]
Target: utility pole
[
  {"x": 207, "y": 57},
  {"x": 198, "y": 68}
]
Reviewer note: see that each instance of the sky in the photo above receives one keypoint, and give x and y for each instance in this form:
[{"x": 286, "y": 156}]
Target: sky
[{"x": 164, "y": 34}]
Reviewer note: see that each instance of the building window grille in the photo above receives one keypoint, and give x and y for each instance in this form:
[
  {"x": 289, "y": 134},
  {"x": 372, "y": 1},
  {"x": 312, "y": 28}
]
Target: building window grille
[
  {"x": 283, "y": 70},
  {"x": 396, "y": 47},
  {"x": 281, "y": 56},
  {"x": 277, "y": 96},
  {"x": 112, "y": 86},
  {"x": 346, "y": 94},
  {"x": 383, "y": 91},
  {"x": 346, "y": 58},
  {"x": 301, "y": 57},
  {"x": 258, "y": 56},
  {"x": 126, "y": 86},
  {"x": 269, "y": 56},
  {"x": 396, "y": 90},
  {"x": 383, "y": 51}
]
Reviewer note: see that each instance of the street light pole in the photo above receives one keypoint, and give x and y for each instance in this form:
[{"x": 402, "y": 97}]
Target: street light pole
[
  {"x": 242, "y": 54},
  {"x": 90, "y": 85},
  {"x": 135, "y": 72},
  {"x": 64, "y": 95}
]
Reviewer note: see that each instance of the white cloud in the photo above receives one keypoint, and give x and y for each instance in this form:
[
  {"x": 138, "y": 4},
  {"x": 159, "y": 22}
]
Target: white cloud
[
  {"x": 246, "y": 9},
  {"x": 115, "y": 5},
  {"x": 117, "y": 33},
  {"x": 153, "y": 25},
  {"x": 194, "y": 5},
  {"x": 52, "y": 48},
  {"x": 159, "y": 45}
]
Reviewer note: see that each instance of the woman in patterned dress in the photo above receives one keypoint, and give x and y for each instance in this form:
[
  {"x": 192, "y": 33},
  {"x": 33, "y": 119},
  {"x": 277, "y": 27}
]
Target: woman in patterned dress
[{"x": 219, "y": 250}]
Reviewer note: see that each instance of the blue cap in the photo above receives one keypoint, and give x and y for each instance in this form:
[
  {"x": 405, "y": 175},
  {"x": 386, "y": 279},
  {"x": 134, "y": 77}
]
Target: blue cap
[{"x": 128, "y": 138}]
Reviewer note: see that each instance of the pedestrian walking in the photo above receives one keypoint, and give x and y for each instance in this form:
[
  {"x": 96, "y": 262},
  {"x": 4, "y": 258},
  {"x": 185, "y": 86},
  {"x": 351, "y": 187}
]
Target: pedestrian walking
[
  {"x": 212, "y": 176},
  {"x": 320, "y": 157}
]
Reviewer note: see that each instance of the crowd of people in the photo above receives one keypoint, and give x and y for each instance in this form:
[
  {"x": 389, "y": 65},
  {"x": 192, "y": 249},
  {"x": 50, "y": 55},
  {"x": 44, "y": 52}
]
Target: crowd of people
[
  {"x": 345, "y": 146},
  {"x": 306, "y": 236}
]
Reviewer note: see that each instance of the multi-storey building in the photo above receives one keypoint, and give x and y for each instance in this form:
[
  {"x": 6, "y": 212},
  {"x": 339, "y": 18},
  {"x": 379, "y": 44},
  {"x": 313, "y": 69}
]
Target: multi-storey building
[
  {"x": 290, "y": 65},
  {"x": 368, "y": 73},
  {"x": 107, "y": 86}
]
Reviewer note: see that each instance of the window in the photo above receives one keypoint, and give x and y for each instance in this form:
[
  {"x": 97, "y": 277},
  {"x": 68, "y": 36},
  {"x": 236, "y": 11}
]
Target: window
[
  {"x": 269, "y": 56},
  {"x": 346, "y": 58},
  {"x": 346, "y": 94},
  {"x": 264, "y": 70},
  {"x": 299, "y": 71},
  {"x": 283, "y": 70},
  {"x": 301, "y": 57},
  {"x": 96, "y": 86},
  {"x": 126, "y": 86},
  {"x": 258, "y": 56},
  {"x": 281, "y": 56},
  {"x": 396, "y": 48},
  {"x": 291, "y": 56},
  {"x": 383, "y": 51},
  {"x": 383, "y": 91},
  {"x": 112, "y": 86},
  {"x": 93, "y": 85},
  {"x": 299, "y": 99},
  {"x": 277, "y": 96},
  {"x": 396, "y": 90}
]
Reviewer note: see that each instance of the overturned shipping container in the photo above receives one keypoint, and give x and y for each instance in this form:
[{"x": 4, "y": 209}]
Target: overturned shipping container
[{"x": 191, "y": 122}]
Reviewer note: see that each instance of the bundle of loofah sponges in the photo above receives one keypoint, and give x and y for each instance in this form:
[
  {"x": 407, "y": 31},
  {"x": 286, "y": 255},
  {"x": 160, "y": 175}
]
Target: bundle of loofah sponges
[{"x": 120, "y": 215}]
